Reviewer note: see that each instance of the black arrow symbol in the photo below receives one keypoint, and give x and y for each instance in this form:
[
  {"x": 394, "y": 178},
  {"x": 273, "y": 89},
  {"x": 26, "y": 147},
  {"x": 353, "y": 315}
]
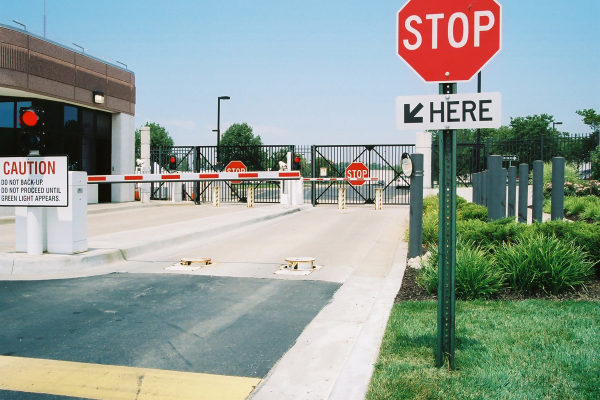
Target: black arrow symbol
[{"x": 410, "y": 116}]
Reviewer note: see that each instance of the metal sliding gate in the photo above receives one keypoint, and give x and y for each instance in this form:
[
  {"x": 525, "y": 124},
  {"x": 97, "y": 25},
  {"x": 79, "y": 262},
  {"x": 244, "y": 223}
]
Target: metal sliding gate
[
  {"x": 383, "y": 161},
  {"x": 215, "y": 159}
]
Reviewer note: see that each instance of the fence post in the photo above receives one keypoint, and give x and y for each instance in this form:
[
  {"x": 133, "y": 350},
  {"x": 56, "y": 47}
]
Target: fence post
[
  {"x": 558, "y": 188},
  {"x": 512, "y": 191},
  {"x": 523, "y": 192},
  {"x": 313, "y": 184},
  {"x": 538, "y": 190},
  {"x": 197, "y": 169},
  {"x": 496, "y": 188},
  {"x": 415, "y": 232}
]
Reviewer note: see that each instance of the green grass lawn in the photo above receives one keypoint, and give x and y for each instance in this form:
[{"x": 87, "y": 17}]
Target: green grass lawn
[{"x": 532, "y": 349}]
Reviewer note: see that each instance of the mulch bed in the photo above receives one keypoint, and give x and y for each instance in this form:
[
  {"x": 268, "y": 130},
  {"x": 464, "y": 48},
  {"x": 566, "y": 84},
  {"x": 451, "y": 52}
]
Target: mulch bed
[{"x": 410, "y": 291}]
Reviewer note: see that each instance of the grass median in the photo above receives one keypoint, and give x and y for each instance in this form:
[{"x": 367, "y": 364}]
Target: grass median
[{"x": 531, "y": 349}]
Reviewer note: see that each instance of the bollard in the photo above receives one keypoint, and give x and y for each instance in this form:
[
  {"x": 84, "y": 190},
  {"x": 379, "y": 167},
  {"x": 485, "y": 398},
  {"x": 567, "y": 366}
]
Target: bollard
[
  {"x": 496, "y": 188},
  {"x": 215, "y": 196},
  {"x": 477, "y": 188},
  {"x": 250, "y": 197},
  {"x": 512, "y": 191},
  {"x": 557, "y": 208},
  {"x": 415, "y": 232},
  {"x": 378, "y": 198},
  {"x": 523, "y": 192},
  {"x": 474, "y": 187},
  {"x": 484, "y": 186},
  {"x": 538, "y": 190},
  {"x": 341, "y": 198}
]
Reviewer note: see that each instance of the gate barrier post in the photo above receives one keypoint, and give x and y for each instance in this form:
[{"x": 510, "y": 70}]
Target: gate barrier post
[
  {"x": 538, "y": 190},
  {"x": 415, "y": 232},
  {"x": 250, "y": 197},
  {"x": 215, "y": 196},
  {"x": 558, "y": 188},
  {"x": 512, "y": 191},
  {"x": 341, "y": 198},
  {"x": 145, "y": 188},
  {"x": 378, "y": 198},
  {"x": 523, "y": 192}
]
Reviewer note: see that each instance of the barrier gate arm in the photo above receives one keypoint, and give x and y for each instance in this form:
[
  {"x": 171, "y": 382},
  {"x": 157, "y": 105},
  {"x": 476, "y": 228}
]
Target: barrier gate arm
[{"x": 197, "y": 177}]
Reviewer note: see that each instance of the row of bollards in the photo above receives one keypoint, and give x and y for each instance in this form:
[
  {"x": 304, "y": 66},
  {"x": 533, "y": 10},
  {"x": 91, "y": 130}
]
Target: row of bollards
[{"x": 490, "y": 189}]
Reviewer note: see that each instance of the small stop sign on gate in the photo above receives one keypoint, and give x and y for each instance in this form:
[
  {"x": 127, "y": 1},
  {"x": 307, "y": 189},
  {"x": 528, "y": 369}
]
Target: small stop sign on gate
[
  {"x": 236, "y": 166},
  {"x": 358, "y": 171}
]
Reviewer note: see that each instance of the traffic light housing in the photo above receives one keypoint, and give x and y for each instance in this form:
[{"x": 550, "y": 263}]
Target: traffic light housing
[
  {"x": 172, "y": 163},
  {"x": 296, "y": 163},
  {"x": 30, "y": 137}
]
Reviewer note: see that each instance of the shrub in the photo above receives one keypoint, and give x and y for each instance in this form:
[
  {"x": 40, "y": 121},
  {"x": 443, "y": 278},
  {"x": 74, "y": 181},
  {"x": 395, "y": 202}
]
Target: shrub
[
  {"x": 571, "y": 173},
  {"x": 538, "y": 262},
  {"x": 469, "y": 211},
  {"x": 430, "y": 228},
  {"x": 490, "y": 234},
  {"x": 476, "y": 273},
  {"x": 585, "y": 188}
]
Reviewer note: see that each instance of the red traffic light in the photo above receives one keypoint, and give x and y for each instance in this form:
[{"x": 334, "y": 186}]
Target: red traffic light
[
  {"x": 172, "y": 160},
  {"x": 297, "y": 159},
  {"x": 29, "y": 118}
]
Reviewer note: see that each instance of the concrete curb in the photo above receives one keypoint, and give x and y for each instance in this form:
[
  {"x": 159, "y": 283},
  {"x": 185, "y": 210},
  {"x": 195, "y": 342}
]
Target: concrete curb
[
  {"x": 354, "y": 378},
  {"x": 107, "y": 249}
]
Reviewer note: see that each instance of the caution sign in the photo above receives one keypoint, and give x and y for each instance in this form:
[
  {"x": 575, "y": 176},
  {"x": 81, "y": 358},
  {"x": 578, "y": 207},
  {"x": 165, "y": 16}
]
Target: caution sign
[{"x": 34, "y": 181}]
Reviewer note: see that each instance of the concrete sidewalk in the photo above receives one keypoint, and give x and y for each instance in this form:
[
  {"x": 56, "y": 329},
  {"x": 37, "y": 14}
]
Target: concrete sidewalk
[{"x": 117, "y": 232}]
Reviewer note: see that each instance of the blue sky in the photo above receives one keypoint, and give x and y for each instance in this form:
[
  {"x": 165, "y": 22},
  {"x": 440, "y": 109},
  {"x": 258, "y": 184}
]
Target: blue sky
[{"x": 314, "y": 72}]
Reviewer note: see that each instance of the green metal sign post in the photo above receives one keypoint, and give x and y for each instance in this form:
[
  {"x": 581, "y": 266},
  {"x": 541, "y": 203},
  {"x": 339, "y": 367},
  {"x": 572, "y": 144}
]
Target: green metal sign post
[{"x": 447, "y": 242}]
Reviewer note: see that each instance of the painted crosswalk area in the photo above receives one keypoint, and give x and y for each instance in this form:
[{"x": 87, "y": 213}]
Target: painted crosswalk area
[
  {"x": 148, "y": 336},
  {"x": 95, "y": 381}
]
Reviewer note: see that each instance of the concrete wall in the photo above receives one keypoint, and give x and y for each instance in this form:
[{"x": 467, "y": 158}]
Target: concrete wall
[{"x": 123, "y": 155}]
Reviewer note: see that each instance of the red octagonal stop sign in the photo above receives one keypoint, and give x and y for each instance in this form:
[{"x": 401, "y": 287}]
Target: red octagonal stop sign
[
  {"x": 357, "y": 170},
  {"x": 450, "y": 40},
  {"x": 236, "y": 166}
]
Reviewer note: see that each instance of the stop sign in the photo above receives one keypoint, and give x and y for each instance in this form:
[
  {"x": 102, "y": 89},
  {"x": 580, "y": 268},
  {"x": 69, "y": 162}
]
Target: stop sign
[
  {"x": 357, "y": 170},
  {"x": 236, "y": 166},
  {"x": 451, "y": 40}
]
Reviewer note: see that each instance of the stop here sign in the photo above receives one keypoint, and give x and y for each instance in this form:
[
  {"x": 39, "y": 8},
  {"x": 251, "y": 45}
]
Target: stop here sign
[
  {"x": 451, "y": 40},
  {"x": 357, "y": 170}
]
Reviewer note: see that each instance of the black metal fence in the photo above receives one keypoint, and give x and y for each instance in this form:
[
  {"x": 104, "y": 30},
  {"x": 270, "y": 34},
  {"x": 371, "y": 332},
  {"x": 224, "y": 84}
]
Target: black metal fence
[
  {"x": 383, "y": 161},
  {"x": 576, "y": 149}
]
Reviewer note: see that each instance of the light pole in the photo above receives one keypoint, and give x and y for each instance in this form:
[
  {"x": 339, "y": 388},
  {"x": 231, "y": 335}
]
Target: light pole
[
  {"x": 555, "y": 123},
  {"x": 219, "y": 117}
]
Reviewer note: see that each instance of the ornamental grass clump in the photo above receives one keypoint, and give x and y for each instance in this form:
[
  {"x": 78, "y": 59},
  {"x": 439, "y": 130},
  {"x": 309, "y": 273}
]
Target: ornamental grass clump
[
  {"x": 477, "y": 275},
  {"x": 543, "y": 263}
]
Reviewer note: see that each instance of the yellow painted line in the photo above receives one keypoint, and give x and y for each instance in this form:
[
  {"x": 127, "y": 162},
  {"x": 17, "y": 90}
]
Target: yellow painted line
[{"x": 111, "y": 382}]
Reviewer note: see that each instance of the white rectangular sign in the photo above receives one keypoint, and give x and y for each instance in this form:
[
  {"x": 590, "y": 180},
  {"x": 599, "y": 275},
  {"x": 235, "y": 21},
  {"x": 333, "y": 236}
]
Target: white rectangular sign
[
  {"x": 449, "y": 111},
  {"x": 34, "y": 181}
]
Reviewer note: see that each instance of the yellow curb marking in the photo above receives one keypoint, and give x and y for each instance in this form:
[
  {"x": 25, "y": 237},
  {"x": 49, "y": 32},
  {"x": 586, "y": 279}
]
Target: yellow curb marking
[{"x": 112, "y": 382}]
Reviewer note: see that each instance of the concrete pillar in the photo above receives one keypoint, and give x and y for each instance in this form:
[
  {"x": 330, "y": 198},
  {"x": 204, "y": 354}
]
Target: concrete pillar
[
  {"x": 123, "y": 155},
  {"x": 538, "y": 191},
  {"x": 423, "y": 146},
  {"x": 145, "y": 156},
  {"x": 512, "y": 191},
  {"x": 36, "y": 230}
]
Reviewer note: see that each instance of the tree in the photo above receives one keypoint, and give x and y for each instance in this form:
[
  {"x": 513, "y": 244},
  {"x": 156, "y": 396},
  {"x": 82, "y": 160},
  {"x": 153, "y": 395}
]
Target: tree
[
  {"x": 240, "y": 135},
  {"x": 590, "y": 118},
  {"x": 158, "y": 137},
  {"x": 239, "y": 143},
  {"x": 533, "y": 126}
]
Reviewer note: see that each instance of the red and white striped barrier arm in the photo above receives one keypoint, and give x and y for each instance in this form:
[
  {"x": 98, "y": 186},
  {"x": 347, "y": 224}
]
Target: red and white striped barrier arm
[
  {"x": 193, "y": 177},
  {"x": 340, "y": 179}
]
